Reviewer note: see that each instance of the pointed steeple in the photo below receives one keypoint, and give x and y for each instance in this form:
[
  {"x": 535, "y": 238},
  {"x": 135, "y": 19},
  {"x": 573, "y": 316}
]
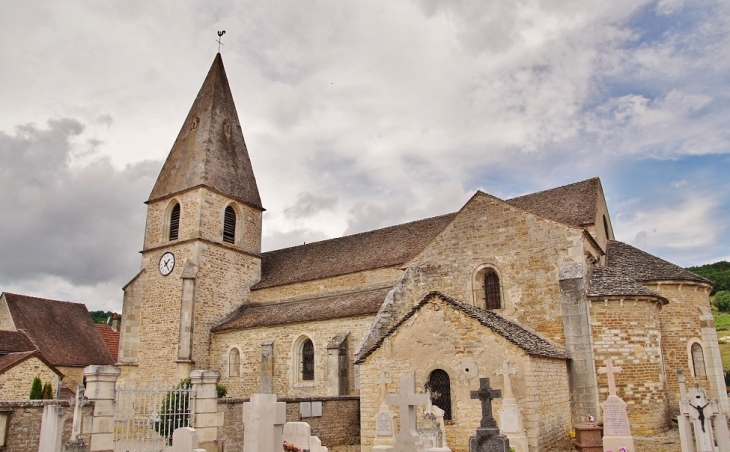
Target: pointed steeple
[{"x": 210, "y": 149}]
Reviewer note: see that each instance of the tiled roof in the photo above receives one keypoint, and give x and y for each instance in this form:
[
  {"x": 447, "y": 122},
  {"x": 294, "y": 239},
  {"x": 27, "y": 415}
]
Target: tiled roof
[
  {"x": 531, "y": 342},
  {"x": 385, "y": 247},
  {"x": 15, "y": 341},
  {"x": 606, "y": 282},
  {"x": 313, "y": 309},
  {"x": 63, "y": 332},
  {"x": 212, "y": 152},
  {"x": 13, "y": 359},
  {"x": 643, "y": 266},
  {"x": 111, "y": 339},
  {"x": 573, "y": 204}
]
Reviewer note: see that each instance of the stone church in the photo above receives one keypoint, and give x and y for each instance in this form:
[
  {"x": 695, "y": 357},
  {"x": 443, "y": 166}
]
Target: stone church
[{"x": 537, "y": 281}]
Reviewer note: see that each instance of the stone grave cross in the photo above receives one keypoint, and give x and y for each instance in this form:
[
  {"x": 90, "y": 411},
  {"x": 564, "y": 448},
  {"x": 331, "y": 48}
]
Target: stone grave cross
[
  {"x": 79, "y": 402},
  {"x": 506, "y": 370},
  {"x": 407, "y": 399},
  {"x": 609, "y": 370},
  {"x": 383, "y": 381},
  {"x": 263, "y": 423},
  {"x": 486, "y": 395}
]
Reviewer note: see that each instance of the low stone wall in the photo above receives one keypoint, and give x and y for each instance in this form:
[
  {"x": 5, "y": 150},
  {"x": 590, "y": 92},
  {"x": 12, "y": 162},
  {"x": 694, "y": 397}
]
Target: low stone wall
[
  {"x": 339, "y": 424},
  {"x": 24, "y": 429}
]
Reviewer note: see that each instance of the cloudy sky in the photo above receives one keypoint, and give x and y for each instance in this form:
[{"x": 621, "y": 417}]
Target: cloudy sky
[{"x": 358, "y": 115}]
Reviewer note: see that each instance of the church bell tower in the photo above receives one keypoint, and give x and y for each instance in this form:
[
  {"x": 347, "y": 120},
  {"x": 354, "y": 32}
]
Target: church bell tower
[{"x": 202, "y": 244}]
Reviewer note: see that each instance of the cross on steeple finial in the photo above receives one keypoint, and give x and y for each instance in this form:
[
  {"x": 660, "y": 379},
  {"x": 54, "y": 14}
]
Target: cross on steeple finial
[
  {"x": 486, "y": 394},
  {"x": 220, "y": 34}
]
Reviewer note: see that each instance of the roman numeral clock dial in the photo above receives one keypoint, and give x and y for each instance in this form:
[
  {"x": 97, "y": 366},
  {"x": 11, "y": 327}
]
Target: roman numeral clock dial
[{"x": 167, "y": 263}]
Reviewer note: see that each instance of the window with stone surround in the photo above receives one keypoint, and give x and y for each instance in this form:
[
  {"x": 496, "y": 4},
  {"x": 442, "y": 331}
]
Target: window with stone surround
[
  {"x": 698, "y": 360},
  {"x": 307, "y": 362},
  {"x": 303, "y": 361},
  {"x": 486, "y": 288},
  {"x": 234, "y": 363},
  {"x": 439, "y": 386}
]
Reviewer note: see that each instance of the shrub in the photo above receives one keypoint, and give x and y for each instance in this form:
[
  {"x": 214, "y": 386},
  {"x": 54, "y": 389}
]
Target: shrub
[
  {"x": 36, "y": 389},
  {"x": 47, "y": 390},
  {"x": 722, "y": 301}
]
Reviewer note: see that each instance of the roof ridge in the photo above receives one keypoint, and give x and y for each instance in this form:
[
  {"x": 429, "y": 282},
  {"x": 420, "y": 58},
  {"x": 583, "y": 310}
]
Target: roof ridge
[
  {"x": 646, "y": 266},
  {"x": 385, "y": 228},
  {"x": 554, "y": 188}
]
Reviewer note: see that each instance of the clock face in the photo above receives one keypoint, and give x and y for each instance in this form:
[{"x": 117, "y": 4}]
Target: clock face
[{"x": 167, "y": 263}]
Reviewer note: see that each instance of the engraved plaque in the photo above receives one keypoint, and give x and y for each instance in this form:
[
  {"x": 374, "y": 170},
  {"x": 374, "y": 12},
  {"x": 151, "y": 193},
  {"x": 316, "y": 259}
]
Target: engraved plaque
[
  {"x": 384, "y": 425},
  {"x": 615, "y": 419},
  {"x": 509, "y": 420}
]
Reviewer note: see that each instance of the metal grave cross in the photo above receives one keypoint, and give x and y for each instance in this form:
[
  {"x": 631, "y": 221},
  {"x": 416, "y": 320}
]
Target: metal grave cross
[
  {"x": 609, "y": 370},
  {"x": 506, "y": 370},
  {"x": 407, "y": 400},
  {"x": 486, "y": 395}
]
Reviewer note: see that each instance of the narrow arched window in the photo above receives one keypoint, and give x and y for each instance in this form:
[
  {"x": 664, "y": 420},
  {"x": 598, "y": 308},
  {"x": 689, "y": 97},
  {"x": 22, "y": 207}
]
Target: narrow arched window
[
  {"x": 698, "y": 360},
  {"x": 605, "y": 227},
  {"x": 175, "y": 222},
  {"x": 307, "y": 360},
  {"x": 492, "y": 298},
  {"x": 234, "y": 363},
  {"x": 229, "y": 225},
  {"x": 439, "y": 385}
]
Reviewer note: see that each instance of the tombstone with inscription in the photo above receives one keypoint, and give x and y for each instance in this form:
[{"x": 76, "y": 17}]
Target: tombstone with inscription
[
  {"x": 616, "y": 428},
  {"x": 407, "y": 439},
  {"x": 511, "y": 423},
  {"x": 487, "y": 438},
  {"x": 299, "y": 434},
  {"x": 263, "y": 421},
  {"x": 385, "y": 419}
]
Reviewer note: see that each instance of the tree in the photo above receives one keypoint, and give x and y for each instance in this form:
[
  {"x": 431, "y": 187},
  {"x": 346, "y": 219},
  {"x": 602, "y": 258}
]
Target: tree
[
  {"x": 47, "y": 390},
  {"x": 718, "y": 273},
  {"x": 36, "y": 389},
  {"x": 722, "y": 301}
]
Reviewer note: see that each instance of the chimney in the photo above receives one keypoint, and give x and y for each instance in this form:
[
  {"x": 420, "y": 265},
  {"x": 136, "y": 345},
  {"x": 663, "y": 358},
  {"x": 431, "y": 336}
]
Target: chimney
[{"x": 114, "y": 323}]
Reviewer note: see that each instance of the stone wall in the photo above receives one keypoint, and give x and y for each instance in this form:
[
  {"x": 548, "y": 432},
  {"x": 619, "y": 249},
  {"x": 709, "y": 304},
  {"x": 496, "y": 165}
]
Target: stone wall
[
  {"x": 525, "y": 249},
  {"x": 6, "y": 321},
  {"x": 339, "y": 424},
  {"x": 286, "y": 383},
  {"x": 680, "y": 323},
  {"x": 628, "y": 331},
  {"x": 15, "y": 383},
  {"x": 440, "y": 337},
  {"x": 24, "y": 429}
]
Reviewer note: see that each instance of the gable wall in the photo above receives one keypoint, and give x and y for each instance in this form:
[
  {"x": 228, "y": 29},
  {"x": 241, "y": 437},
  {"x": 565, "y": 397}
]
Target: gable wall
[
  {"x": 353, "y": 282},
  {"x": 15, "y": 383},
  {"x": 6, "y": 321},
  {"x": 249, "y": 341},
  {"x": 526, "y": 250},
  {"x": 440, "y": 337}
]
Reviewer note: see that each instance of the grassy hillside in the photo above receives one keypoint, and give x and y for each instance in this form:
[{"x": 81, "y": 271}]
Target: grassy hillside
[{"x": 719, "y": 273}]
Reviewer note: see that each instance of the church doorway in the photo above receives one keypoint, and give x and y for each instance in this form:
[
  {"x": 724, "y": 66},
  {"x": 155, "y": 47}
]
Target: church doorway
[{"x": 439, "y": 385}]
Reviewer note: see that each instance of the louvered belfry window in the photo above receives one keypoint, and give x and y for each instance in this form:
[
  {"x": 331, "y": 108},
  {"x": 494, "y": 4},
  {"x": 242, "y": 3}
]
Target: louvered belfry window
[
  {"x": 175, "y": 222},
  {"x": 491, "y": 291},
  {"x": 229, "y": 225},
  {"x": 308, "y": 360}
]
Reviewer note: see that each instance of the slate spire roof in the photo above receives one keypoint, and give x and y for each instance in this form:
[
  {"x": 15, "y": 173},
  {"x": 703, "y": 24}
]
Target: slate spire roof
[{"x": 210, "y": 150}]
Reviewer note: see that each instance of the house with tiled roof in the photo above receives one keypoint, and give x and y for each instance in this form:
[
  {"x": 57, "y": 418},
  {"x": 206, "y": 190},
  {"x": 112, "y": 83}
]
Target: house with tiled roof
[
  {"x": 537, "y": 283},
  {"x": 62, "y": 333},
  {"x": 20, "y": 363}
]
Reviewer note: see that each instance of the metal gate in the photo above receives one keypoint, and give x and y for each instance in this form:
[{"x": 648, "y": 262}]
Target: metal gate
[{"x": 146, "y": 417}]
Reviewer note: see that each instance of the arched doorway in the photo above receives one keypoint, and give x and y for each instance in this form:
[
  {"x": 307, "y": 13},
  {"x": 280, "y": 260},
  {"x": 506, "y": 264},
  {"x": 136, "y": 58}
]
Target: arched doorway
[{"x": 439, "y": 384}]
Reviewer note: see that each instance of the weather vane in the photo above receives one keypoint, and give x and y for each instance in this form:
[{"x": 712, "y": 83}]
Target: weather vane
[{"x": 220, "y": 34}]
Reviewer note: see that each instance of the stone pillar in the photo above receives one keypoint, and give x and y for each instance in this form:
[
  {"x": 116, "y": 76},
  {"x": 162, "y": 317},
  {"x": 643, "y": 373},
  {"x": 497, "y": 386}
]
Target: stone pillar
[
  {"x": 206, "y": 418},
  {"x": 578, "y": 343},
  {"x": 51, "y": 429},
  {"x": 713, "y": 362},
  {"x": 100, "y": 383},
  {"x": 267, "y": 366},
  {"x": 187, "y": 313},
  {"x": 334, "y": 366}
]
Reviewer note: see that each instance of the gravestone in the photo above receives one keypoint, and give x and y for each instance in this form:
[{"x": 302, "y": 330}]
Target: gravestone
[
  {"x": 184, "y": 439},
  {"x": 263, "y": 421},
  {"x": 76, "y": 441},
  {"x": 704, "y": 417},
  {"x": 487, "y": 438},
  {"x": 299, "y": 434},
  {"x": 384, "y": 419},
  {"x": 407, "y": 439},
  {"x": 51, "y": 429},
  {"x": 511, "y": 423},
  {"x": 616, "y": 427}
]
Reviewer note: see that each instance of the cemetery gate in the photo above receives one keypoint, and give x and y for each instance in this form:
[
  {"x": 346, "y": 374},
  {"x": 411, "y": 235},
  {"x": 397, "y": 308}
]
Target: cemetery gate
[{"x": 146, "y": 417}]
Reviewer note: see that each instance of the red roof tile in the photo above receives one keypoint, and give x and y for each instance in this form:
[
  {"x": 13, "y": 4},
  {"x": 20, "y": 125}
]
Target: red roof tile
[
  {"x": 13, "y": 359},
  {"x": 111, "y": 339},
  {"x": 63, "y": 332}
]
